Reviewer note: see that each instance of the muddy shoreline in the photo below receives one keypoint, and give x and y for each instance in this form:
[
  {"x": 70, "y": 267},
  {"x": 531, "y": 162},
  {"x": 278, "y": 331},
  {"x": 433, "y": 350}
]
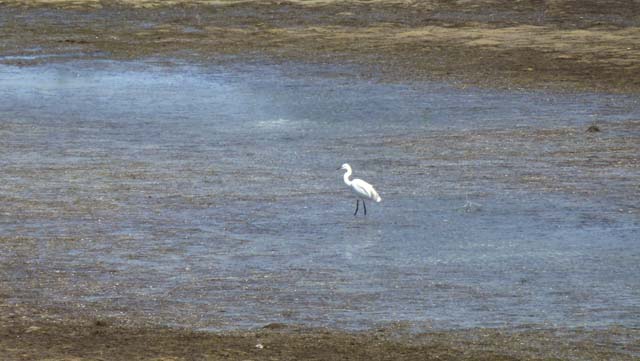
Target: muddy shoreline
[
  {"x": 36, "y": 334},
  {"x": 586, "y": 45}
]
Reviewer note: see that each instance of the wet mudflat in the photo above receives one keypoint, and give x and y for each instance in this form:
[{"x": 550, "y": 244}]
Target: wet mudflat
[
  {"x": 174, "y": 166},
  {"x": 207, "y": 198},
  {"x": 101, "y": 340}
]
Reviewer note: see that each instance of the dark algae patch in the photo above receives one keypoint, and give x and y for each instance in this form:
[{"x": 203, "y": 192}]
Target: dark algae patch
[
  {"x": 25, "y": 335},
  {"x": 561, "y": 45}
]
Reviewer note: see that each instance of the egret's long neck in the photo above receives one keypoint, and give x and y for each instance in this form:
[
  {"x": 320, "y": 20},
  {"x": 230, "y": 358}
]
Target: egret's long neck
[{"x": 346, "y": 177}]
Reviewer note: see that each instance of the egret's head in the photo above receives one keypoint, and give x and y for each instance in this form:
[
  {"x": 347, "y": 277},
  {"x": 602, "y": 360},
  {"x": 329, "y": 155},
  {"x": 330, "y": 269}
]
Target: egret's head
[{"x": 345, "y": 166}]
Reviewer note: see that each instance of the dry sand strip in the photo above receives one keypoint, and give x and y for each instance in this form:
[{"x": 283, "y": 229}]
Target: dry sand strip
[{"x": 561, "y": 44}]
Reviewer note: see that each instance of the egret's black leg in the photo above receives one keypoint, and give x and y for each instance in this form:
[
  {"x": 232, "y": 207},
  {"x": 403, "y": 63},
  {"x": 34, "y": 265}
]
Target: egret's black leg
[
  {"x": 357, "y": 205},
  {"x": 365, "y": 207}
]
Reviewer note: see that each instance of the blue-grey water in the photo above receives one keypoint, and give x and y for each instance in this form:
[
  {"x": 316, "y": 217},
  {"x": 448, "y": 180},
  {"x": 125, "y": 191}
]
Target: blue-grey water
[{"x": 208, "y": 197}]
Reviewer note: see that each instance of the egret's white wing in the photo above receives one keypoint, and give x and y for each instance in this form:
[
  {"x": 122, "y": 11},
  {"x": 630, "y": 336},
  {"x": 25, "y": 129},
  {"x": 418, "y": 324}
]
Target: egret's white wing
[{"x": 365, "y": 190}]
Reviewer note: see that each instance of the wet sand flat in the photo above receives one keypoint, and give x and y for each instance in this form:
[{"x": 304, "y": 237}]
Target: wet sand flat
[{"x": 560, "y": 44}]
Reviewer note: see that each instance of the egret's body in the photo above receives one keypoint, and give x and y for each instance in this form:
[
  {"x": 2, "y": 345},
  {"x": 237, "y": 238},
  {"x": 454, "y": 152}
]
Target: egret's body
[{"x": 360, "y": 188}]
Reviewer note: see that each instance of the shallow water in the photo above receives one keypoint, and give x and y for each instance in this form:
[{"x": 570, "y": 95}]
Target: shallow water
[{"x": 208, "y": 197}]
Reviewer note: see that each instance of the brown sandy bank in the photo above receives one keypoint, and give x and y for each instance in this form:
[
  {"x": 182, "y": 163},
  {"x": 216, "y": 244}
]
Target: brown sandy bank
[
  {"x": 561, "y": 44},
  {"x": 28, "y": 334}
]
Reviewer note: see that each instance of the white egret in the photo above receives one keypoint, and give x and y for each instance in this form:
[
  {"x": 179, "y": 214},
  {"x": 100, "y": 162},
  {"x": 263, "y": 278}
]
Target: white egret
[{"x": 362, "y": 189}]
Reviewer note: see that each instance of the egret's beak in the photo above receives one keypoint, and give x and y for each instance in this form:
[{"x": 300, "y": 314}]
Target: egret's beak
[{"x": 338, "y": 168}]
